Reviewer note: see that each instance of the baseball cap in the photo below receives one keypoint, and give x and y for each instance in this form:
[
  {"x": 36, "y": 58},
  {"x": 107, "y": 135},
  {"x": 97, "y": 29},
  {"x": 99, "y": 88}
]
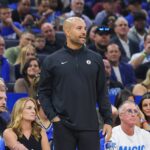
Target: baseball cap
[{"x": 103, "y": 30}]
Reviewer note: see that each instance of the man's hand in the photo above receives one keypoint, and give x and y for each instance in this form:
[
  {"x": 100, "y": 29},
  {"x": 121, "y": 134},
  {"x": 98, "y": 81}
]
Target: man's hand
[
  {"x": 147, "y": 49},
  {"x": 27, "y": 20},
  {"x": 55, "y": 119},
  {"x": 107, "y": 131},
  {"x": 9, "y": 21}
]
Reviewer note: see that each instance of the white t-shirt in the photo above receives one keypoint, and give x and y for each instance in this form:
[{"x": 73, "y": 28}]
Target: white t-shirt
[
  {"x": 139, "y": 141},
  {"x": 126, "y": 47},
  {"x": 135, "y": 56}
]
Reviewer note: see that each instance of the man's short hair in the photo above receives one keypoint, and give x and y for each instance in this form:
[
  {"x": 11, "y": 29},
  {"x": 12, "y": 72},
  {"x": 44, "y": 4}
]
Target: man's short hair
[{"x": 139, "y": 15}]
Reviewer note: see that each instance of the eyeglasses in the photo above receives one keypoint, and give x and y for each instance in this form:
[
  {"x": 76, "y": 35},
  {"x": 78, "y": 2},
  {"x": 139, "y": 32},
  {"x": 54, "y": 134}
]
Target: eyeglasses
[{"x": 132, "y": 111}]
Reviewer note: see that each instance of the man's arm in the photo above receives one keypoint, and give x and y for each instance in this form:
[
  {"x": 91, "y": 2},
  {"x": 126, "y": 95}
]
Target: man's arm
[
  {"x": 15, "y": 28},
  {"x": 135, "y": 62},
  {"x": 45, "y": 90},
  {"x": 103, "y": 101}
]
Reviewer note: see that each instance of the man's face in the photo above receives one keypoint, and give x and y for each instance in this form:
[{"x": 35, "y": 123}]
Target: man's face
[
  {"x": 78, "y": 6},
  {"x": 140, "y": 24},
  {"x": 121, "y": 27},
  {"x": 26, "y": 39},
  {"x": 40, "y": 43},
  {"x": 2, "y": 46},
  {"x": 24, "y": 5},
  {"x": 129, "y": 116},
  {"x": 5, "y": 13},
  {"x": 107, "y": 68},
  {"x": 3, "y": 99},
  {"x": 113, "y": 53},
  {"x": 109, "y": 7},
  {"x": 77, "y": 34},
  {"x": 44, "y": 6},
  {"x": 147, "y": 42},
  {"x": 102, "y": 39},
  {"x": 49, "y": 32}
]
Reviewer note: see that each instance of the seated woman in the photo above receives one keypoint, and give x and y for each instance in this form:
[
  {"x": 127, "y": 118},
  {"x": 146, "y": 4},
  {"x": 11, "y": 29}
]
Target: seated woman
[
  {"x": 26, "y": 53},
  {"x": 143, "y": 87},
  {"x": 144, "y": 106},
  {"x": 28, "y": 84},
  {"x": 23, "y": 132}
]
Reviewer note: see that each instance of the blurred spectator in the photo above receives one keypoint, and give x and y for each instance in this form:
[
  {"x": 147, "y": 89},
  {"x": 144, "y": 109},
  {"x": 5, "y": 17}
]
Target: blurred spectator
[
  {"x": 4, "y": 64},
  {"x": 9, "y": 29},
  {"x": 138, "y": 30},
  {"x": 12, "y": 53},
  {"x": 77, "y": 7},
  {"x": 121, "y": 71},
  {"x": 127, "y": 46},
  {"x": 109, "y": 9},
  {"x": 101, "y": 40},
  {"x": 23, "y": 132},
  {"x": 127, "y": 135},
  {"x": 46, "y": 12},
  {"x": 134, "y": 6},
  {"x": 91, "y": 34},
  {"x": 52, "y": 42},
  {"x": 86, "y": 10},
  {"x": 29, "y": 82},
  {"x": 22, "y": 14},
  {"x": 143, "y": 56},
  {"x": 144, "y": 106},
  {"x": 109, "y": 21},
  {"x": 40, "y": 44},
  {"x": 4, "y": 114},
  {"x": 114, "y": 87},
  {"x": 143, "y": 87},
  {"x": 27, "y": 52},
  {"x": 121, "y": 97}
]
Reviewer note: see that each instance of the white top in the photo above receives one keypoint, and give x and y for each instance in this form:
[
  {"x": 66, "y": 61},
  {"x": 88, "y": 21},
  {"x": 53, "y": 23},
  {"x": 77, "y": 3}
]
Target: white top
[
  {"x": 135, "y": 56},
  {"x": 139, "y": 141},
  {"x": 117, "y": 73},
  {"x": 126, "y": 47}
]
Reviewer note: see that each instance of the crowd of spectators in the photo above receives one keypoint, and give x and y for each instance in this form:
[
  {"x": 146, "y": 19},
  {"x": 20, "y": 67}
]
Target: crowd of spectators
[{"x": 119, "y": 30}]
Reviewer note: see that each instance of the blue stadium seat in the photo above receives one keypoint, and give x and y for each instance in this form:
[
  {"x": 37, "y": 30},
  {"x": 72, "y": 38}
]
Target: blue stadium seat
[
  {"x": 12, "y": 98},
  {"x": 2, "y": 144},
  {"x": 11, "y": 43}
]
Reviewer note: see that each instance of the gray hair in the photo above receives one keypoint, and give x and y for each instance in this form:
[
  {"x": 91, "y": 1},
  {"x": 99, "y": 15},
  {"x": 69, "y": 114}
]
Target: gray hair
[{"x": 122, "y": 106}]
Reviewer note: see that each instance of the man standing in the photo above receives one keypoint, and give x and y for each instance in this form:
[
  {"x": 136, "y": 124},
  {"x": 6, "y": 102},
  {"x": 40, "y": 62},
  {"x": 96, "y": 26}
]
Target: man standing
[{"x": 72, "y": 81}]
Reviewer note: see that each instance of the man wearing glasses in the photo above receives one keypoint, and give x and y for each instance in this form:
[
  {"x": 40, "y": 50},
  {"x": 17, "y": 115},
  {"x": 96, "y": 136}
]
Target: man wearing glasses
[{"x": 127, "y": 135}]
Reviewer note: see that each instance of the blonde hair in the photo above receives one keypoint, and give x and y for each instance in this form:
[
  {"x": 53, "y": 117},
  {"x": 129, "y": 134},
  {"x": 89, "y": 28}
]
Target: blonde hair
[
  {"x": 16, "y": 118},
  {"x": 3, "y": 87},
  {"x": 147, "y": 79},
  {"x": 22, "y": 55}
]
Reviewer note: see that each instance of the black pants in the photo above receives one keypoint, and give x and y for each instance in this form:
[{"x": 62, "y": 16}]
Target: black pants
[{"x": 69, "y": 139}]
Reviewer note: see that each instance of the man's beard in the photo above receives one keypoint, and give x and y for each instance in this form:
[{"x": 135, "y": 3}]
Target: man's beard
[{"x": 102, "y": 47}]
